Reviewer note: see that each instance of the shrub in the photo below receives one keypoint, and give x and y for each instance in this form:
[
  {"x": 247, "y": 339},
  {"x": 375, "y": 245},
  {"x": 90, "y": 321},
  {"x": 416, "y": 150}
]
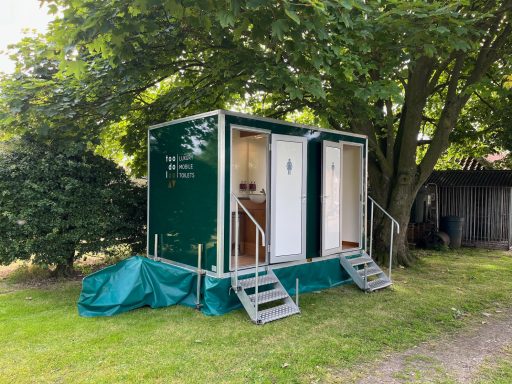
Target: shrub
[{"x": 59, "y": 200}]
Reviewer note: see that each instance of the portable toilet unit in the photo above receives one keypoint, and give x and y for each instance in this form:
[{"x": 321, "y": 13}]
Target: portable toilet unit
[{"x": 259, "y": 208}]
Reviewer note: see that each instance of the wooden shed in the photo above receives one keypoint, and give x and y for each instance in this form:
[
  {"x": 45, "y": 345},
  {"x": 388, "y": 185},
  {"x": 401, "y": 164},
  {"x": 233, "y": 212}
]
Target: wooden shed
[{"x": 482, "y": 197}]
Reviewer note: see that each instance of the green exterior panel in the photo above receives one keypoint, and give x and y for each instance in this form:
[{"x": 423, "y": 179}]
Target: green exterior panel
[
  {"x": 182, "y": 200},
  {"x": 314, "y": 164}
]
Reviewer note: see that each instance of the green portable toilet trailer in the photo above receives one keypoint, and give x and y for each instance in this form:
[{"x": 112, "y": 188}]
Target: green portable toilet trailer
[{"x": 260, "y": 209}]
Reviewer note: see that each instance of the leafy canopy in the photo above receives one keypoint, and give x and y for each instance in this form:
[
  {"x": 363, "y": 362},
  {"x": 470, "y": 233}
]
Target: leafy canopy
[{"x": 122, "y": 66}]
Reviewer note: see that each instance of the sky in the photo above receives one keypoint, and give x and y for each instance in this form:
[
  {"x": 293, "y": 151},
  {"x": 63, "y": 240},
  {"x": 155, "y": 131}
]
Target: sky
[{"x": 15, "y": 16}]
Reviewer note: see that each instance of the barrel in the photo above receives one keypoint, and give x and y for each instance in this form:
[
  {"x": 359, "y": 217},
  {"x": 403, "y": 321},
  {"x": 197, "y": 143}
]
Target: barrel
[{"x": 453, "y": 225}]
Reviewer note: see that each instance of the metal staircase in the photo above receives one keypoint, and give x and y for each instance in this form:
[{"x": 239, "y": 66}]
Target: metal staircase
[
  {"x": 264, "y": 289},
  {"x": 365, "y": 272},
  {"x": 269, "y": 290}
]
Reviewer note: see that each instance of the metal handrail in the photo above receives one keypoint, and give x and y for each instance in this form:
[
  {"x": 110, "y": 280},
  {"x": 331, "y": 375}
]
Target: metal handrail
[
  {"x": 393, "y": 223},
  {"x": 259, "y": 230}
]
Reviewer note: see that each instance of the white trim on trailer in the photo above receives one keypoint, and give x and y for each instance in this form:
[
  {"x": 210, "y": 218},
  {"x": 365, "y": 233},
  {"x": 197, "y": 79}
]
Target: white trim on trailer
[
  {"x": 259, "y": 118},
  {"x": 147, "y": 197},
  {"x": 188, "y": 118},
  {"x": 365, "y": 197},
  {"x": 298, "y": 125},
  {"x": 187, "y": 267},
  {"x": 263, "y": 268},
  {"x": 221, "y": 188},
  {"x": 250, "y": 129},
  {"x": 252, "y": 270}
]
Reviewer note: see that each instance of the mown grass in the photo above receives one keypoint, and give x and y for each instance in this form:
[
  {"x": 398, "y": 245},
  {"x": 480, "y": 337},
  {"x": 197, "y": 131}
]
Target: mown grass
[{"x": 44, "y": 340}]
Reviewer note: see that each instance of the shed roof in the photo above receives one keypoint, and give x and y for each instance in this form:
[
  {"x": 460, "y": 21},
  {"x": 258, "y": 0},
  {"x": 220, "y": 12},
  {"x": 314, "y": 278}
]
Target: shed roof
[{"x": 480, "y": 178}]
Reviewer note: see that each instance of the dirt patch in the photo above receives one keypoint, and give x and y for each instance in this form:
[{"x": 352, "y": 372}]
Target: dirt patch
[
  {"x": 6, "y": 270},
  {"x": 23, "y": 275},
  {"x": 452, "y": 359}
]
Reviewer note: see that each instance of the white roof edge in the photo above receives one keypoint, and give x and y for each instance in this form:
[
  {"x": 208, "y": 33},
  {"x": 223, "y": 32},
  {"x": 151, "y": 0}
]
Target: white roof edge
[
  {"x": 253, "y": 117},
  {"x": 305, "y": 126},
  {"x": 183, "y": 119}
]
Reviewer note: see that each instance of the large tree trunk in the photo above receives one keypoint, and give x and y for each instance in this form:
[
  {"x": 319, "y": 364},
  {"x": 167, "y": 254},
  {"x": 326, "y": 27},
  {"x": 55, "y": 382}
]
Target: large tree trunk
[{"x": 399, "y": 207}]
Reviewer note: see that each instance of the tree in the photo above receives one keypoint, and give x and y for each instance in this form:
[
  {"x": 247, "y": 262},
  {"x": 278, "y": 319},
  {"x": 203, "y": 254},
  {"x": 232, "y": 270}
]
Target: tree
[
  {"x": 385, "y": 69},
  {"x": 58, "y": 200}
]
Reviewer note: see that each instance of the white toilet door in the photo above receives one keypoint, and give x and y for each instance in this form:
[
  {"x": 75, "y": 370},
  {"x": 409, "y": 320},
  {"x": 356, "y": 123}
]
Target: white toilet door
[
  {"x": 288, "y": 198},
  {"x": 332, "y": 171}
]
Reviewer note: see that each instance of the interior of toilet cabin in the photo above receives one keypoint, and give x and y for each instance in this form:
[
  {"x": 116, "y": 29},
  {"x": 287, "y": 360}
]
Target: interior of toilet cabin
[{"x": 250, "y": 183}]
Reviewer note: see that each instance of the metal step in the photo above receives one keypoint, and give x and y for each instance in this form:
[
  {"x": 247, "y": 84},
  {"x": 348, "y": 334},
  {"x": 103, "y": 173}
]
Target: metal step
[
  {"x": 370, "y": 271},
  {"x": 376, "y": 284},
  {"x": 262, "y": 280},
  {"x": 354, "y": 268},
  {"x": 365, "y": 259},
  {"x": 268, "y": 296},
  {"x": 277, "y": 312}
]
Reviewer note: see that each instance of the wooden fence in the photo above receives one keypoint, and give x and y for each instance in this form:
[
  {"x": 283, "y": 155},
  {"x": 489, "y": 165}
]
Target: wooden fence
[{"x": 486, "y": 212}]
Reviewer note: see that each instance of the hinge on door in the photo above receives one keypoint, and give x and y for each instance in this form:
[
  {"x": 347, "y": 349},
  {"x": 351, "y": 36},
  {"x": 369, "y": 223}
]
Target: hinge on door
[{"x": 269, "y": 146}]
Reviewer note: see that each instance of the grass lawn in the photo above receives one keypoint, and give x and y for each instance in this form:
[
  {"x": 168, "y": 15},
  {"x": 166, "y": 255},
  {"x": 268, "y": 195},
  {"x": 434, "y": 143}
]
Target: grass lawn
[{"x": 44, "y": 340}]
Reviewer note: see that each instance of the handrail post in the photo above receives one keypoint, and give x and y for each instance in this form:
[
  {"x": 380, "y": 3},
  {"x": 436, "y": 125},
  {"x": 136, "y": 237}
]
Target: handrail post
[
  {"x": 371, "y": 228},
  {"x": 199, "y": 274},
  {"x": 365, "y": 276},
  {"x": 257, "y": 273},
  {"x": 155, "y": 256},
  {"x": 237, "y": 240},
  {"x": 391, "y": 249},
  {"x": 297, "y": 292}
]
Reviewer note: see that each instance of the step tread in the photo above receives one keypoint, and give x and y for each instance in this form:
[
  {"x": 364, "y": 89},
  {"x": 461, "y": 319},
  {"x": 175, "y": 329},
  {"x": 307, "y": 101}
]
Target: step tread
[
  {"x": 262, "y": 280},
  {"x": 365, "y": 259},
  {"x": 268, "y": 296},
  {"x": 383, "y": 282},
  {"x": 370, "y": 271},
  {"x": 277, "y": 312}
]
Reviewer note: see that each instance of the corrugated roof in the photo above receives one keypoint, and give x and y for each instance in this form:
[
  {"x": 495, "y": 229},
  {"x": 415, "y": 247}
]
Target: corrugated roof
[{"x": 480, "y": 178}]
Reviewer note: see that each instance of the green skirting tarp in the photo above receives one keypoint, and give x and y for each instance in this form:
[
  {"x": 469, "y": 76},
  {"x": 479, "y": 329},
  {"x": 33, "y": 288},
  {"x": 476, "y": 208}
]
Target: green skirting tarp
[
  {"x": 134, "y": 283},
  {"x": 138, "y": 281}
]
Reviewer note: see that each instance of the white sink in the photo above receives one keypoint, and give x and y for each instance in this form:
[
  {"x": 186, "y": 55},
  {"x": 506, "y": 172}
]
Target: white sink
[{"x": 257, "y": 198}]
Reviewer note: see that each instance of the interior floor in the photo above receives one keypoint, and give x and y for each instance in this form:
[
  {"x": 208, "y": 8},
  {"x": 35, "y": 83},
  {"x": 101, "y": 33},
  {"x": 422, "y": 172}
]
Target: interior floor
[
  {"x": 245, "y": 261},
  {"x": 349, "y": 245}
]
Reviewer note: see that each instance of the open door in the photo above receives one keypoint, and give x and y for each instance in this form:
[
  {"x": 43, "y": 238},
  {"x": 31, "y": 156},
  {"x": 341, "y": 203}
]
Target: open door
[
  {"x": 352, "y": 191},
  {"x": 288, "y": 198},
  {"x": 332, "y": 171}
]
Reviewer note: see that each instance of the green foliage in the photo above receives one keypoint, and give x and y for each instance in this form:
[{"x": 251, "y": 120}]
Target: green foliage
[
  {"x": 147, "y": 61},
  {"x": 387, "y": 69},
  {"x": 58, "y": 201}
]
